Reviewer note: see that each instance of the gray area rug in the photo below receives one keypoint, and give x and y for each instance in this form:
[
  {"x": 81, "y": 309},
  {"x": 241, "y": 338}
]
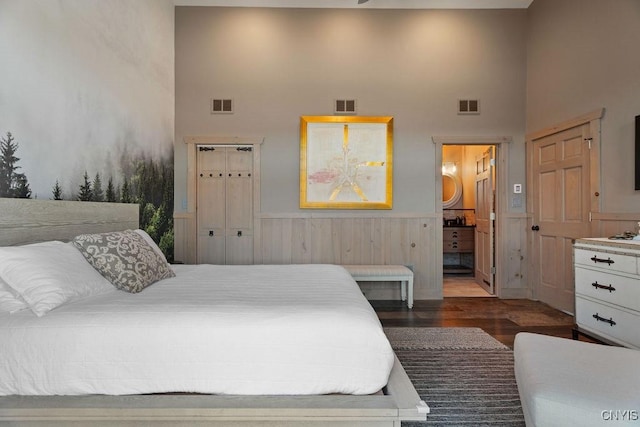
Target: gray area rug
[
  {"x": 463, "y": 374},
  {"x": 442, "y": 338}
]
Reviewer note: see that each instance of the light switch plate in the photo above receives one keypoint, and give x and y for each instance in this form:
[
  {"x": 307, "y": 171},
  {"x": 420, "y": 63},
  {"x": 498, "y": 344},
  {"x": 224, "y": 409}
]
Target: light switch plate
[{"x": 517, "y": 188}]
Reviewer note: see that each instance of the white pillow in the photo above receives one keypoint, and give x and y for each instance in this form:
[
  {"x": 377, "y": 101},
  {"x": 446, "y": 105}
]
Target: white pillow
[
  {"x": 10, "y": 301},
  {"x": 47, "y": 275}
]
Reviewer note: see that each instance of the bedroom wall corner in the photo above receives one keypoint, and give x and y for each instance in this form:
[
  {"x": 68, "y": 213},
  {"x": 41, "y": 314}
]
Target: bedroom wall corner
[{"x": 588, "y": 44}]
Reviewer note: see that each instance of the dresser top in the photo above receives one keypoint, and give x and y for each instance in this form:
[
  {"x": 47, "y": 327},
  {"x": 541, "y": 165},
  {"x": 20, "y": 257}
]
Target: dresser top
[{"x": 631, "y": 246}]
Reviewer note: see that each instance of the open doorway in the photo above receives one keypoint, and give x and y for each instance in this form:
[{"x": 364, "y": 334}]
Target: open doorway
[{"x": 468, "y": 211}]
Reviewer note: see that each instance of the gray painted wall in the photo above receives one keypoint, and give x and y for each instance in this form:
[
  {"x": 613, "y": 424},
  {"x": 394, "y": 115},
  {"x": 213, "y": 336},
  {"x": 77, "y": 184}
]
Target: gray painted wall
[
  {"x": 583, "y": 55},
  {"x": 279, "y": 64},
  {"x": 82, "y": 77}
]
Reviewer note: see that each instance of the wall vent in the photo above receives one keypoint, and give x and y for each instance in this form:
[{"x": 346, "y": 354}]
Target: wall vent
[
  {"x": 345, "y": 106},
  {"x": 468, "y": 106},
  {"x": 221, "y": 106}
]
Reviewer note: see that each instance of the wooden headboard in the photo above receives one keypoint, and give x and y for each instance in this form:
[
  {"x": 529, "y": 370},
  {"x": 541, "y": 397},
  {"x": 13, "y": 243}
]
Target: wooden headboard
[{"x": 25, "y": 221}]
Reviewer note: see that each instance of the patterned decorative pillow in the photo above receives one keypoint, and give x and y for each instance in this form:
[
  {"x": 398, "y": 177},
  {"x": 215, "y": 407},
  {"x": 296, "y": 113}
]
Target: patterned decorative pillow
[{"x": 124, "y": 258}]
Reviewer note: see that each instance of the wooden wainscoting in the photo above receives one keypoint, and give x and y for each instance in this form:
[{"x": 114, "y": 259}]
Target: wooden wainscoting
[
  {"x": 184, "y": 232},
  {"x": 358, "y": 239},
  {"x": 367, "y": 238},
  {"x": 412, "y": 240},
  {"x": 511, "y": 257},
  {"x": 609, "y": 224}
]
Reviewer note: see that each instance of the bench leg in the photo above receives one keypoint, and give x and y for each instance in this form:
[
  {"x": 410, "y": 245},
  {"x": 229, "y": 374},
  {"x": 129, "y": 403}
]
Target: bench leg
[
  {"x": 410, "y": 292},
  {"x": 403, "y": 290}
]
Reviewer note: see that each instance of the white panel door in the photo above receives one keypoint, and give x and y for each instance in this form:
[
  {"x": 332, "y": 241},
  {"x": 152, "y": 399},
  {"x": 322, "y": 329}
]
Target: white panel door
[
  {"x": 485, "y": 214},
  {"x": 561, "y": 198}
]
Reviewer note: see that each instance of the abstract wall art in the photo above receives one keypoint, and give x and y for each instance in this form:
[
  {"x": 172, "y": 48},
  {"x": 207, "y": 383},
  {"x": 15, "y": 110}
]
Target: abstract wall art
[{"x": 346, "y": 162}]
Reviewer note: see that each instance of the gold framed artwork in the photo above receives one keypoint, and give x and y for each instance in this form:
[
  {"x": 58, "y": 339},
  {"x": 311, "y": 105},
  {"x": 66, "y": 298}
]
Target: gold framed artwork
[{"x": 346, "y": 162}]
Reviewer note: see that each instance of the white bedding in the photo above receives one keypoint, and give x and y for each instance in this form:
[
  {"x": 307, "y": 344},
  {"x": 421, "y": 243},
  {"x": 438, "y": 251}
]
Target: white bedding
[{"x": 262, "y": 329}]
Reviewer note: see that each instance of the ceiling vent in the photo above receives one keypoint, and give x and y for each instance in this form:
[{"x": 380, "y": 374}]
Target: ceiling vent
[
  {"x": 221, "y": 106},
  {"x": 468, "y": 106},
  {"x": 345, "y": 106}
]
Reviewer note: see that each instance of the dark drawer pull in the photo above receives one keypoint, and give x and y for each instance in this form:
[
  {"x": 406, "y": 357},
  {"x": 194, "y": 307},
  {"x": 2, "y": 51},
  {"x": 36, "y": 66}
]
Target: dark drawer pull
[
  {"x": 602, "y": 319},
  {"x": 597, "y": 260},
  {"x": 599, "y": 286}
]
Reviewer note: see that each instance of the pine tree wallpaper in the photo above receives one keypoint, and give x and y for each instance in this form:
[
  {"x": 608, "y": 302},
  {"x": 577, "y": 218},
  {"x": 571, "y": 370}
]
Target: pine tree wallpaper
[{"x": 87, "y": 105}]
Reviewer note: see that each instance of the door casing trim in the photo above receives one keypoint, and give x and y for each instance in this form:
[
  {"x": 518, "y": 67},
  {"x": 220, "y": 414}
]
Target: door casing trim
[
  {"x": 502, "y": 144},
  {"x": 592, "y": 119},
  {"x": 192, "y": 148}
]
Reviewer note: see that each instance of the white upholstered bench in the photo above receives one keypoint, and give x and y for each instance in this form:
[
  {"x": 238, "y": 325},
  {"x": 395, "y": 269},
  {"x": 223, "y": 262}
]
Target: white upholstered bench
[
  {"x": 566, "y": 383},
  {"x": 385, "y": 273}
]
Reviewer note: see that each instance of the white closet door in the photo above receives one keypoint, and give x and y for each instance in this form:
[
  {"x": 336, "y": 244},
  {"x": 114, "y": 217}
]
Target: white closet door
[
  {"x": 224, "y": 205},
  {"x": 239, "y": 206}
]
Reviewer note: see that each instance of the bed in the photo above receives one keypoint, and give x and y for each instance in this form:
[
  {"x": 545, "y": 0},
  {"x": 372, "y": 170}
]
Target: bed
[{"x": 199, "y": 345}]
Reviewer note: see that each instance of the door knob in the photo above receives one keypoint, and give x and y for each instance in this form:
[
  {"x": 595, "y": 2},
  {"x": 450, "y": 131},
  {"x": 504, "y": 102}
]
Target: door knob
[{"x": 535, "y": 227}]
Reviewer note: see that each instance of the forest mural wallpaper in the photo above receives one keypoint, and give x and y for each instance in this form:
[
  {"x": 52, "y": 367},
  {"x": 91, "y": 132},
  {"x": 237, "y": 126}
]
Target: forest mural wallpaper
[{"x": 87, "y": 104}]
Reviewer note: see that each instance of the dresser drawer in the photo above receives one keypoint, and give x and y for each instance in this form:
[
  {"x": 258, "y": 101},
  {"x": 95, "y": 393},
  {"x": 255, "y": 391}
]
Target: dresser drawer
[
  {"x": 458, "y": 239},
  {"x": 606, "y": 261},
  {"x": 608, "y": 287},
  {"x": 457, "y": 246},
  {"x": 609, "y": 322},
  {"x": 457, "y": 233}
]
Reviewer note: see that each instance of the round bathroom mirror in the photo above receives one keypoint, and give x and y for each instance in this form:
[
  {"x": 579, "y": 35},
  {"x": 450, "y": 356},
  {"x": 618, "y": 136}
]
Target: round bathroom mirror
[{"x": 451, "y": 190}]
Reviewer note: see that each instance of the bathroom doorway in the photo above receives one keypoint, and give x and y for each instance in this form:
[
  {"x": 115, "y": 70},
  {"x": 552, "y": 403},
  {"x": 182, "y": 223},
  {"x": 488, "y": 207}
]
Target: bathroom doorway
[{"x": 468, "y": 212}]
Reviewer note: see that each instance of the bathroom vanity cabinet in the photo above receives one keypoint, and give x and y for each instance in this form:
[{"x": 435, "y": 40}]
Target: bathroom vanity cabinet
[{"x": 458, "y": 249}]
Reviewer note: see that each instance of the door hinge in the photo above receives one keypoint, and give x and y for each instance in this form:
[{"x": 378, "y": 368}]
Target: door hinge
[
  {"x": 492, "y": 216},
  {"x": 492, "y": 162},
  {"x": 590, "y": 217},
  {"x": 589, "y": 141},
  {"x": 493, "y": 270}
]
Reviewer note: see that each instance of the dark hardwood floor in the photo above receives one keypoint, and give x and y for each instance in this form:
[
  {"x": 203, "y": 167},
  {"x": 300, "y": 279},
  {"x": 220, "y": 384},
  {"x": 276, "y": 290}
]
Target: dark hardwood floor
[{"x": 502, "y": 319}]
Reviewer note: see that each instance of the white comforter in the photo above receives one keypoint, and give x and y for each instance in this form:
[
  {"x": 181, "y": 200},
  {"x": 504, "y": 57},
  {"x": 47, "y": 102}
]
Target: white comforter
[{"x": 263, "y": 329}]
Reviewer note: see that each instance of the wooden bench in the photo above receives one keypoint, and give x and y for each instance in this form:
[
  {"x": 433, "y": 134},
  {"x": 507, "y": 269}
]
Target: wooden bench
[{"x": 385, "y": 273}]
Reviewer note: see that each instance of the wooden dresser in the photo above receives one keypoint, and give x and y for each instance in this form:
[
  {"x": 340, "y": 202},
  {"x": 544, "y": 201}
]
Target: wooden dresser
[
  {"x": 607, "y": 290},
  {"x": 458, "y": 242}
]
